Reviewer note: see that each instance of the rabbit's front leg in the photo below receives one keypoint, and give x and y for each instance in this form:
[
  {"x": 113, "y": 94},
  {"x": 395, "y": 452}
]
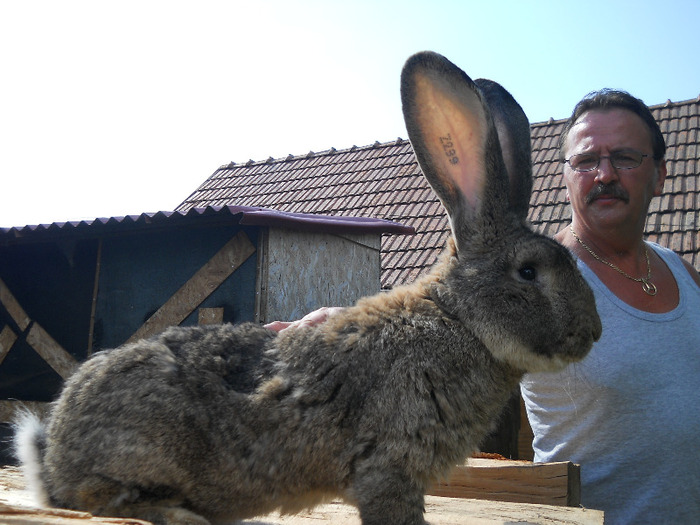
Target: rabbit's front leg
[{"x": 389, "y": 497}]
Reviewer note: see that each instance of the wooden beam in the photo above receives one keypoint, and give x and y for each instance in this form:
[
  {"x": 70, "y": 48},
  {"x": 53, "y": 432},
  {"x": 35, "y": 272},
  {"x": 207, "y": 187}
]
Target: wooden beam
[
  {"x": 515, "y": 481},
  {"x": 198, "y": 288},
  {"x": 51, "y": 352},
  {"x": 7, "y": 339},
  {"x": 13, "y": 307}
]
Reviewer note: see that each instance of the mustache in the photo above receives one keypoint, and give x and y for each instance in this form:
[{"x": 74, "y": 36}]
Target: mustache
[{"x": 607, "y": 190}]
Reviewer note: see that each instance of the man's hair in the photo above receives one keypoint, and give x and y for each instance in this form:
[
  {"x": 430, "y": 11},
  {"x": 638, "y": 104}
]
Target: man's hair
[{"x": 607, "y": 99}]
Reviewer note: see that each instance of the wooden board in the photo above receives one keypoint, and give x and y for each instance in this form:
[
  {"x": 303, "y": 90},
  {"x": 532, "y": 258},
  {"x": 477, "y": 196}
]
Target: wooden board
[
  {"x": 7, "y": 339},
  {"x": 450, "y": 511},
  {"x": 16, "y": 509},
  {"x": 516, "y": 481}
]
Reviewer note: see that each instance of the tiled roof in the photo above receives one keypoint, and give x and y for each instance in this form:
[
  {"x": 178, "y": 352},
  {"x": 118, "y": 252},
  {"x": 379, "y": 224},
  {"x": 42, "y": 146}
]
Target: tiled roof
[{"x": 383, "y": 181}]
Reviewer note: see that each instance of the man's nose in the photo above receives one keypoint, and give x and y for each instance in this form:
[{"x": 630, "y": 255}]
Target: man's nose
[{"x": 605, "y": 172}]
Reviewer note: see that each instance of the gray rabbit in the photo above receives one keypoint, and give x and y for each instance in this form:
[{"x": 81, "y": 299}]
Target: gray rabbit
[{"x": 213, "y": 424}]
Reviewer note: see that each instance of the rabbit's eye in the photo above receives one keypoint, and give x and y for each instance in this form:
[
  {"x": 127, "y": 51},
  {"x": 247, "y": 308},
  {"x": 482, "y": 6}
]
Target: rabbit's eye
[{"x": 528, "y": 273}]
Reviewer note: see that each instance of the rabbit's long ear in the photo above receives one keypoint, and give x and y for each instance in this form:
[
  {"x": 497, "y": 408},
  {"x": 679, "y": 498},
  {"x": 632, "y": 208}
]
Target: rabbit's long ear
[
  {"x": 457, "y": 144},
  {"x": 513, "y": 130}
]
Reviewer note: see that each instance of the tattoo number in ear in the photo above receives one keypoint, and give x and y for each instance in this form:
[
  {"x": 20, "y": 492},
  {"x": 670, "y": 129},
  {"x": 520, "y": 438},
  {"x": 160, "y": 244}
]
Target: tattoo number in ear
[{"x": 449, "y": 148}]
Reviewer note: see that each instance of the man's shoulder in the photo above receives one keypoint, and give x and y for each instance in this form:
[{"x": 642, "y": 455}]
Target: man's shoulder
[{"x": 672, "y": 254}]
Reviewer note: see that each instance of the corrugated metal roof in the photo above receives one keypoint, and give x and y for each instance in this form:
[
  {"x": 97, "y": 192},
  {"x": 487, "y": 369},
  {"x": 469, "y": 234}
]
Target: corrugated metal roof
[
  {"x": 384, "y": 181},
  {"x": 245, "y": 215}
]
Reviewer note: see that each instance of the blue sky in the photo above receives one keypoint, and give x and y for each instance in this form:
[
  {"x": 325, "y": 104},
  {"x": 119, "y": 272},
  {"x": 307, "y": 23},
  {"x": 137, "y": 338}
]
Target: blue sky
[{"x": 115, "y": 108}]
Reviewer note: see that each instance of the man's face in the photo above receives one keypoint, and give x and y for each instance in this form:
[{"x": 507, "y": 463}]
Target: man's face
[{"x": 608, "y": 197}]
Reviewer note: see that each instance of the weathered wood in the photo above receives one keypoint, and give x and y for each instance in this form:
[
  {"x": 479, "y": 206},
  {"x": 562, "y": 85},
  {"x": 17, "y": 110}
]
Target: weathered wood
[
  {"x": 51, "y": 352},
  {"x": 17, "y": 509},
  {"x": 11, "y": 515},
  {"x": 514, "y": 481},
  {"x": 7, "y": 339},
  {"x": 13, "y": 307},
  {"x": 207, "y": 279},
  {"x": 302, "y": 271},
  {"x": 210, "y": 316},
  {"x": 450, "y": 511}
]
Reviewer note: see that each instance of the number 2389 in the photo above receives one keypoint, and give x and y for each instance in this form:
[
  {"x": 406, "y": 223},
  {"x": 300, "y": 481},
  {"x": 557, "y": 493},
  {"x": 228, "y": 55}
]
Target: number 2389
[{"x": 449, "y": 148}]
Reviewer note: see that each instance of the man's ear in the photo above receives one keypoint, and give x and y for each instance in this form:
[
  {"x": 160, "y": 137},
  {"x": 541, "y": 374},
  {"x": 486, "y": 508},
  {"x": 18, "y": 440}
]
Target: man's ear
[{"x": 661, "y": 173}]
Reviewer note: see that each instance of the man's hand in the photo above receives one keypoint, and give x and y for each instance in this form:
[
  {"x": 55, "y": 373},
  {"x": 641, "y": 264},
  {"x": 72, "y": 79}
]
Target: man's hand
[{"x": 316, "y": 317}]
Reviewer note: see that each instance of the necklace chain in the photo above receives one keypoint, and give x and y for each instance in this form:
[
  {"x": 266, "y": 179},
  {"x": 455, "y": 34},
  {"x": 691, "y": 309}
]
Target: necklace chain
[{"x": 648, "y": 287}]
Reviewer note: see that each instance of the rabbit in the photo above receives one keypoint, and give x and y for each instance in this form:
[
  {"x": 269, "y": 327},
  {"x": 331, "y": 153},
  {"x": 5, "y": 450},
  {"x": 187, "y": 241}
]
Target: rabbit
[{"x": 213, "y": 424}]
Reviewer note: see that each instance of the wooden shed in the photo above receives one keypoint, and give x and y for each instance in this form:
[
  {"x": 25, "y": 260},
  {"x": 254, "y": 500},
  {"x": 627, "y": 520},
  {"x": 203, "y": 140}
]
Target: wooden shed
[{"x": 70, "y": 289}]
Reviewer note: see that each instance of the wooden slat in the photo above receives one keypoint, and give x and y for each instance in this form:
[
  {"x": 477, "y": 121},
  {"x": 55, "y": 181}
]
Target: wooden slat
[
  {"x": 51, "y": 352},
  {"x": 515, "y": 481},
  {"x": 13, "y": 307},
  {"x": 7, "y": 339},
  {"x": 199, "y": 287}
]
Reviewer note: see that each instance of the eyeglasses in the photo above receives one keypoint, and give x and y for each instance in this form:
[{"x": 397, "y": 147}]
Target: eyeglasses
[{"x": 621, "y": 160}]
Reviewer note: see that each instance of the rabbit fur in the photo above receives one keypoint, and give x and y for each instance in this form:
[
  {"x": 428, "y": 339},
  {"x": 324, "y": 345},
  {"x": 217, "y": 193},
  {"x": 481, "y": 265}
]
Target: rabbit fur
[{"x": 212, "y": 424}]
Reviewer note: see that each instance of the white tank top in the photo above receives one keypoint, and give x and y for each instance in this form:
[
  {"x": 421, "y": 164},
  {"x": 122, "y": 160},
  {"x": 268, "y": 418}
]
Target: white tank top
[{"x": 629, "y": 413}]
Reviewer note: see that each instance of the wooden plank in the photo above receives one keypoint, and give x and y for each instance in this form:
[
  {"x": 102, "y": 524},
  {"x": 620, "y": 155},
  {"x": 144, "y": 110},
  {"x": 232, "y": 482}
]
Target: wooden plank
[
  {"x": 51, "y": 352},
  {"x": 449, "y": 511},
  {"x": 29, "y": 516},
  {"x": 9, "y": 408},
  {"x": 514, "y": 481},
  {"x": 13, "y": 307},
  {"x": 210, "y": 316},
  {"x": 199, "y": 287},
  {"x": 16, "y": 505},
  {"x": 7, "y": 339}
]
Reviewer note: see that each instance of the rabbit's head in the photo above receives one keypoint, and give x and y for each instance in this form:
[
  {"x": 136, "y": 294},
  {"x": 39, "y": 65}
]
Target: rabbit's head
[{"x": 520, "y": 292}]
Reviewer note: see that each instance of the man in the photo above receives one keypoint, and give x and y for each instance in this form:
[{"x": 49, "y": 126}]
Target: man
[{"x": 628, "y": 413}]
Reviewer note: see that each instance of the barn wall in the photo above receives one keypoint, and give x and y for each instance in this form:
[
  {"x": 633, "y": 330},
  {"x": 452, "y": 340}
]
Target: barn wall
[{"x": 139, "y": 274}]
